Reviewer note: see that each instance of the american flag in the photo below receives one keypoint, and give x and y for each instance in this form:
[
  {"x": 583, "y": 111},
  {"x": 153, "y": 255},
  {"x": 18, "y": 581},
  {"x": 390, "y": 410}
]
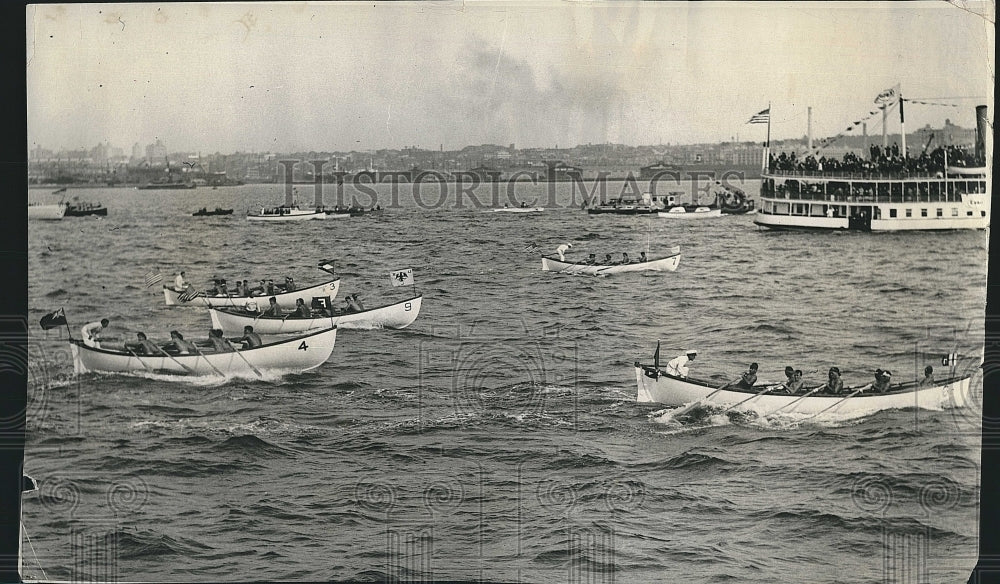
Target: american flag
[
  {"x": 152, "y": 277},
  {"x": 761, "y": 117},
  {"x": 188, "y": 295}
]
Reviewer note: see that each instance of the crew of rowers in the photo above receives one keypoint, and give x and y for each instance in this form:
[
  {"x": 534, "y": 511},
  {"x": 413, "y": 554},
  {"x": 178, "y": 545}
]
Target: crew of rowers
[
  {"x": 793, "y": 383},
  {"x": 610, "y": 261},
  {"x": 243, "y": 288},
  {"x": 178, "y": 345},
  {"x": 321, "y": 307}
]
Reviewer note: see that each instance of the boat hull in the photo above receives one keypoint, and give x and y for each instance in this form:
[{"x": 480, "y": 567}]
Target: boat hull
[
  {"x": 393, "y": 316},
  {"x": 288, "y": 214},
  {"x": 674, "y": 391},
  {"x": 626, "y": 210},
  {"x": 72, "y": 211},
  {"x": 682, "y": 212},
  {"x": 298, "y": 354},
  {"x": 667, "y": 264},
  {"x": 286, "y": 300},
  {"x": 517, "y": 210},
  {"x": 217, "y": 213},
  {"x": 50, "y": 212}
]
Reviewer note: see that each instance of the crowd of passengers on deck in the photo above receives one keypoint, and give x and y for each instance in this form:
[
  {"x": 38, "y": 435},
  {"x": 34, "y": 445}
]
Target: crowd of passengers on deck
[{"x": 887, "y": 160}]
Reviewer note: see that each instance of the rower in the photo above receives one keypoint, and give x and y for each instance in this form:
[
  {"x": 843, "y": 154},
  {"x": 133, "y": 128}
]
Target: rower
[
  {"x": 834, "y": 384},
  {"x": 678, "y": 365},
  {"x": 178, "y": 344},
  {"x": 746, "y": 381},
  {"x": 219, "y": 343},
  {"x": 928, "y": 380},
  {"x": 796, "y": 384},
  {"x": 642, "y": 257},
  {"x": 250, "y": 339},
  {"x": 625, "y": 259},
  {"x": 289, "y": 284},
  {"x": 608, "y": 261},
  {"x": 273, "y": 309},
  {"x": 301, "y": 310},
  {"x": 143, "y": 346},
  {"x": 592, "y": 260},
  {"x": 180, "y": 284}
]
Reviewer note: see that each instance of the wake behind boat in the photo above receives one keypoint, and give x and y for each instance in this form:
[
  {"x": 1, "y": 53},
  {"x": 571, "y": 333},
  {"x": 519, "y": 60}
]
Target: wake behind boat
[
  {"x": 393, "y": 316},
  {"x": 657, "y": 386},
  {"x": 666, "y": 263},
  {"x": 297, "y": 354}
]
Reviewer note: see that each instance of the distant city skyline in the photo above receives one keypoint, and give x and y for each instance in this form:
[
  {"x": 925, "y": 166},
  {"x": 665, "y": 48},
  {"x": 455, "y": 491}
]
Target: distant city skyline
[{"x": 362, "y": 76}]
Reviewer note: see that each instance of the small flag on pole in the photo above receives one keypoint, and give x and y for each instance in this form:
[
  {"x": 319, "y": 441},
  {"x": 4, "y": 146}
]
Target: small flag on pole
[
  {"x": 949, "y": 360},
  {"x": 152, "y": 277},
  {"x": 326, "y": 266},
  {"x": 761, "y": 117},
  {"x": 188, "y": 295},
  {"x": 889, "y": 96},
  {"x": 53, "y": 319},
  {"x": 402, "y": 277}
]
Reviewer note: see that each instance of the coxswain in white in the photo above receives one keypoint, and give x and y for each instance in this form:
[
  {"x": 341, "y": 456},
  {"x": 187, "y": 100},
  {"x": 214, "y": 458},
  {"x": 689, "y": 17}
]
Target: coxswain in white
[
  {"x": 180, "y": 284},
  {"x": 562, "y": 249},
  {"x": 92, "y": 332},
  {"x": 678, "y": 365}
]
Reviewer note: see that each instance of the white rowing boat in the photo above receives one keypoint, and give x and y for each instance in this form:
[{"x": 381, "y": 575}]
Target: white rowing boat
[
  {"x": 664, "y": 264},
  {"x": 297, "y": 354},
  {"x": 286, "y": 213},
  {"x": 517, "y": 210},
  {"x": 670, "y": 390},
  {"x": 392, "y": 316},
  {"x": 690, "y": 212},
  {"x": 40, "y": 211},
  {"x": 286, "y": 300}
]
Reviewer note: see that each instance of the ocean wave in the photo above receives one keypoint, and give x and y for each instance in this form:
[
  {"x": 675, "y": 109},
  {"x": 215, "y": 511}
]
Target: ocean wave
[{"x": 145, "y": 544}]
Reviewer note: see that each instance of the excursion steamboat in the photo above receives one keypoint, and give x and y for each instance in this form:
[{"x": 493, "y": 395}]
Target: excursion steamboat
[{"x": 942, "y": 195}]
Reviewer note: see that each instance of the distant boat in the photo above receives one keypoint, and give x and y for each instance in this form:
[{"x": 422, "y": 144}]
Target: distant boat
[
  {"x": 203, "y": 212},
  {"x": 624, "y": 206},
  {"x": 84, "y": 209},
  {"x": 690, "y": 212},
  {"x": 167, "y": 185},
  {"x": 57, "y": 191},
  {"x": 667, "y": 263},
  {"x": 40, "y": 211},
  {"x": 286, "y": 213},
  {"x": 523, "y": 208}
]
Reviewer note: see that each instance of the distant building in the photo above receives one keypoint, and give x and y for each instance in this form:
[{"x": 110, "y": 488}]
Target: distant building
[
  {"x": 156, "y": 153},
  {"x": 653, "y": 170}
]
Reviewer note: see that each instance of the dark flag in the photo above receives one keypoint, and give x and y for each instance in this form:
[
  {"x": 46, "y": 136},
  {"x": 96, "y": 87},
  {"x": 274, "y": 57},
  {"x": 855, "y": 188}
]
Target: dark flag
[
  {"x": 321, "y": 302},
  {"x": 188, "y": 295},
  {"x": 656, "y": 356},
  {"x": 949, "y": 360},
  {"x": 53, "y": 319},
  {"x": 326, "y": 266}
]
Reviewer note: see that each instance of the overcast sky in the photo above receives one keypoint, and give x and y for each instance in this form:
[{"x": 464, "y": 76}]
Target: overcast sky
[{"x": 360, "y": 76}]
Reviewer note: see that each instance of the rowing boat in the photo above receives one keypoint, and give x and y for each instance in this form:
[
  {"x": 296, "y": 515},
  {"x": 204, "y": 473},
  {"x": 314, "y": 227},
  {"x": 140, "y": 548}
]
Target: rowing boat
[
  {"x": 286, "y": 300},
  {"x": 297, "y": 354},
  {"x": 669, "y": 390},
  {"x": 690, "y": 212},
  {"x": 391, "y": 316},
  {"x": 664, "y": 264},
  {"x": 286, "y": 213},
  {"x": 516, "y": 210}
]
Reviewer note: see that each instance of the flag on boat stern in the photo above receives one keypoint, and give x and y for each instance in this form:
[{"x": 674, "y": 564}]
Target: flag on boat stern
[
  {"x": 402, "y": 277},
  {"x": 656, "y": 357},
  {"x": 188, "y": 295},
  {"x": 949, "y": 360},
  {"x": 53, "y": 319},
  {"x": 326, "y": 266},
  {"x": 532, "y": 246},
  {"x": 152, "y": 277},
  {"x": 761, "y": 117}
]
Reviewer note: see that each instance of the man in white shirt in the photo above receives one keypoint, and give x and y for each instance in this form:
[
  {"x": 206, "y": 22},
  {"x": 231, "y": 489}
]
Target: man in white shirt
[
  {"x": 92, "y": 332},
  {"x": 678, "y": 365},
  {"x": 562, "y": 249},
  {"x": 180, "y": 284}
]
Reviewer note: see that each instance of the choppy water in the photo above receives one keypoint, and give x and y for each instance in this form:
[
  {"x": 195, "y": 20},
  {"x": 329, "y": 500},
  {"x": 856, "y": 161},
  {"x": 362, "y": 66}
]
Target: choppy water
[{"x": 498, "y": 436}]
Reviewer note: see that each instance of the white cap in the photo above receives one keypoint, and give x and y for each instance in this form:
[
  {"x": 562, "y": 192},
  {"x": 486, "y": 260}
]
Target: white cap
[{"x": 691, "y": 352}]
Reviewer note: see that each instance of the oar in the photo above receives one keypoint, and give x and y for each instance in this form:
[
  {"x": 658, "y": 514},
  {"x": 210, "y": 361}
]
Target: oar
[
  {"x": 131, "y": 352},
  {"x": 255, "y": 370},
  {"x": 795, "y": 401},
  {"x": 697, "y": 403},
  {"x": 758, "y": 394},
  {"x": 207, "y": 360},
  {"x": 171, "y": 357},
  {"x": 840, "y": 401}
]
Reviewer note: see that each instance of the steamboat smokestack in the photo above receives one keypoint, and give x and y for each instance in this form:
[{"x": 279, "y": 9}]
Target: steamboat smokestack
[
  {"x": 809, "y": 129},
  {"x": 982, "y": 129}
]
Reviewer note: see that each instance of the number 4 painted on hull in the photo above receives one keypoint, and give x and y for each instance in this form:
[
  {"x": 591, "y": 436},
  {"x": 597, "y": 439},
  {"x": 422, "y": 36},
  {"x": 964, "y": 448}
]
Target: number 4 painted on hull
[{"x": 303, "y": 346}]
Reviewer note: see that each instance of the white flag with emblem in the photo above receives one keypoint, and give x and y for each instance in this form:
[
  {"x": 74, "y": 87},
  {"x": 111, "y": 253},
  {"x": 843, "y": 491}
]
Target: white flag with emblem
[{"x": 402, "y": 277}]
